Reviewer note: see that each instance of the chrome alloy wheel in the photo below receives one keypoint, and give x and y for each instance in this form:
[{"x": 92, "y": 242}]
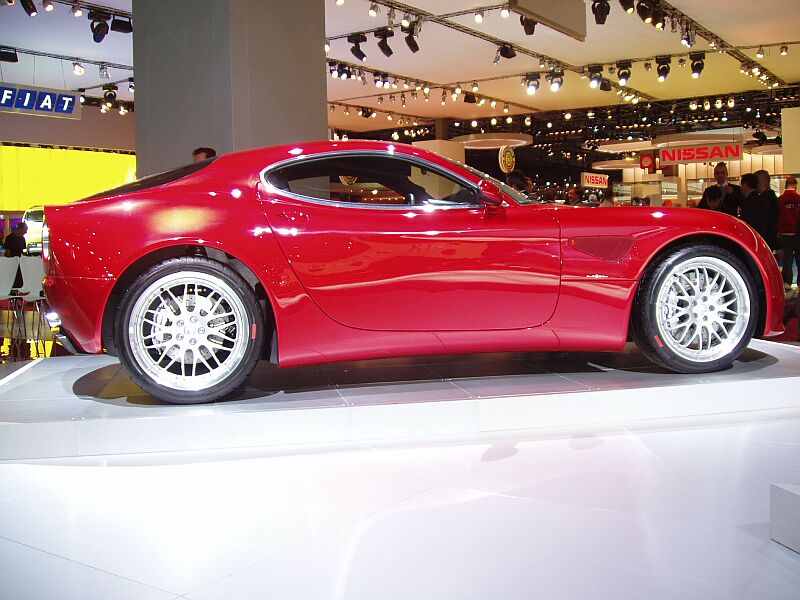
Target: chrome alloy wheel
[
  {"x": 188, "y": 330},
  {"x": 703, "y": 309}
]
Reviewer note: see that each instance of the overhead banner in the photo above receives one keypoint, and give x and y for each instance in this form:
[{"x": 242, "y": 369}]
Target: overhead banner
[
  {"x": 29, "y": 100},
  {"x": 698, "y": 154},
  {"x": 594, "y": 180}
]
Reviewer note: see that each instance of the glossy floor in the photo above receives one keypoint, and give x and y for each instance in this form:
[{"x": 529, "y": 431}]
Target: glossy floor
[{"x": 672, "y": 509}]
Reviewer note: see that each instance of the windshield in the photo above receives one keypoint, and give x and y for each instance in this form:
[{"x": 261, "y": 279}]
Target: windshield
[{"x": 516, "y": 195}]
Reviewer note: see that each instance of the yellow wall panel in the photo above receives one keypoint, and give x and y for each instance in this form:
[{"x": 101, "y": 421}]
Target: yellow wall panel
[{"x": 31, "y": 176}]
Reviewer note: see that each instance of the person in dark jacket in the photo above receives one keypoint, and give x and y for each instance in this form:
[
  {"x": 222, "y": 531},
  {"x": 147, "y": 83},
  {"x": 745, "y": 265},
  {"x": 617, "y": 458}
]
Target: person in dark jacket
[
  {"x": 732, "y": 195},
  {"x": 753, "y": 211},
  {"x": 771, "y": 207}
]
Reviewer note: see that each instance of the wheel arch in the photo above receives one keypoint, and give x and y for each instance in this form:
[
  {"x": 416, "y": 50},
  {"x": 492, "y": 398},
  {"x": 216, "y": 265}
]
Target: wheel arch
[
  {"x": 147, "y": 260},
  {"x": 731, "y": 246}
]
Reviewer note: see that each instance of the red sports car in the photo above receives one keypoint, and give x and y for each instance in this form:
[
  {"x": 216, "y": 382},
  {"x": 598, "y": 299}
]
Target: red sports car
[{"x": 331, "y": 251}]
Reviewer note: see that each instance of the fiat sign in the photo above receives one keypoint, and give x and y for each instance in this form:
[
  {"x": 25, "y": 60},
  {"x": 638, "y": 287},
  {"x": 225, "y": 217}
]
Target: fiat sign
[
  {"x": 695, "y": 154},
  {"x": 594, "y": 180}
]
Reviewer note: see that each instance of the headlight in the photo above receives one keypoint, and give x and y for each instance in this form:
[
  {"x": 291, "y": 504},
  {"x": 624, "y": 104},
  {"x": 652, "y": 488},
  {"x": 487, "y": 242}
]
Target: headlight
[{"x": 45, "y": 242}]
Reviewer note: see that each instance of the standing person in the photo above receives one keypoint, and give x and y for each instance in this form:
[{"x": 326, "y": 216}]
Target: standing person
[
  {"x": 787, "y": 228},
  {"x": 202, "y": 153},
  {"x": 14, "y": 245},
  {"x": 752, "y": 210},
  {"x": 771, "y": 208},
  {"x": 732, "y": 196}
]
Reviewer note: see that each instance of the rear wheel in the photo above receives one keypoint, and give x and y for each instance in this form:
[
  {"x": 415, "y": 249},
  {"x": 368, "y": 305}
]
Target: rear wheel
[
  {"x": 695, "y": 310},
  {"x": 190, "y": 330}
]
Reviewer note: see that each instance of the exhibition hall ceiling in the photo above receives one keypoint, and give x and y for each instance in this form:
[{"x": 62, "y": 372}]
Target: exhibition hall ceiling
[{"x": 454, "y": 49}]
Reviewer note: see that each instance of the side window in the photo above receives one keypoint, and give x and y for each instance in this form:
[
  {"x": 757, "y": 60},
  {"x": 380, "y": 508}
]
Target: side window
[{"x": 373, "y": 180}]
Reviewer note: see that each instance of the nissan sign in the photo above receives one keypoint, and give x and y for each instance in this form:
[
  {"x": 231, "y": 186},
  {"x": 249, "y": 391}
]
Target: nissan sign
[
  {"x": 698, "y": 154},
  {"x": 594, "y": 180}
]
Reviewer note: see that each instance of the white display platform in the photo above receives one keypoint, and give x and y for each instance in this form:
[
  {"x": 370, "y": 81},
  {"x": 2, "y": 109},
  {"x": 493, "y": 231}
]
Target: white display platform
[
  {"x": 784, "y": 515},
  {"x": 86, "y": 405}
]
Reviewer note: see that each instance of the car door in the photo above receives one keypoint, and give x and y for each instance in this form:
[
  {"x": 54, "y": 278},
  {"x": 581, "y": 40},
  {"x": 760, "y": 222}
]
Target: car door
[{"x": 386, "y": 242}]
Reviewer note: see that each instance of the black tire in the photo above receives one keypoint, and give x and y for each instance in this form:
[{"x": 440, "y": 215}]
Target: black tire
[
  {"x": 198, "y": 310},
  {"x": 670, "y": 309}
]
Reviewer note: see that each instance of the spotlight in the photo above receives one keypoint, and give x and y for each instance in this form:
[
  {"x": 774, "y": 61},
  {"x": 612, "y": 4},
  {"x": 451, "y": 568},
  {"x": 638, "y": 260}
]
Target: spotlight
[
  {"x": 479, "y": 16},
  {"x": 121, "y": 25},
  {"x": 645, "y": 11},
  {"x": 29, "y": 7},
  {"x": 470, "y": 98},
  {"x": 373, "y": 9},
  {"x": 474, "y": 86},
  {"x": 760, "y": 52},
  {"x": 102, "y": 71},
  {"x": 99, "y": 25},
  {"x": 605, "y": 85},
  {"x": 505, "y": 12},
  {"x": 357, "y": 39},
  {"x": 122, "y": 110},
  {"x": 706, "y": 104},
  {"x": 731, "y": 102},
  {"x": 693, "y": 104},
  {"x": 8, "y": 55},
  {"x": 556, "y": 80},
  {"x": 110, "y": 94},
  {"x": 405, "y": 22},
  {"x": 528, "y": 25},
  {"x": 505, "y": 108},
  {"x": 47, "y": 5},
  {"x": 131, "y": 86},
  {"x": 411, "y": 40},
  {"x": 382, "y": 34},
  {"x": 600, "y": 9},
  {"x": 784, "y": 50},
  {"x": 528, "y": 121},
  {"x": 532, "y": 83},
  {"x": 76, "y": 10},
  {"x": 78, "y": 68},
  {"x": 595, "y": 75},
  {"x": 82, "y": 97},
  {"x": 698, "y": 63},
  {"x": 663, "y": 67},
  {"x": 718, "y": 103},
  {"x": 458, "y": 89},
  {"x": 627, "y": 6},
  {"x": 659, "y": 20},
  {"x": 624, "y": 71},
  {"x": 507, "y": 51},
  {"x": 327, "y": 47},
  {"x": 339, "y": 2}
]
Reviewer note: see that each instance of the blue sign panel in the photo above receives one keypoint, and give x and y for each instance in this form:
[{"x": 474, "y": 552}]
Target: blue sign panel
[{"x": 39, "y": 101}]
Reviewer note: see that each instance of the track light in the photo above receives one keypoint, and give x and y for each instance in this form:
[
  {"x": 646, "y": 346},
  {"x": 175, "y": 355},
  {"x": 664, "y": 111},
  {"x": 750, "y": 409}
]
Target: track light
[
  {"x": 600, "y": 9},
  {"x": 99, "y": 25},
  {"x": 595, "y": 75},
  {"x": 760, "y": 52},
  {"x": 78, "y": 68},
  {"x": 102, "y": 71},
  {"x": 645, "y": 11},
  {"x": 659, "y": 20},
  {"x": 528, "y": 25},
  {"x": 339, "y": 2},
  {"x": 405, "y": 22},
  {"x": 698, "y": 63},
  {"x": 784, "y": 50},
  {"x": 507, "y": 51},
  {"x": 731, "y": 102},
  {"x": 605, "y": 85},
  {"x": 76, "y": 10},
  {"x": 624, "y": 71},
  {"x": 706, "y": 104},
  {"x": 470, "y": 98},
  {"x": 479, "y": 16},
  {"x": 474, "y": 86},
  {"x": 131, "y": 86},
  {"x": 382, "y": 34},
  {"x": 458, "y": 89},
  {"x": 627, "y": 6},
  {"x": 47, "y": 5},
  {"x": 29, "y": 7},
  {"x": 373, "y": 9},
  {"x": 121, "y": 25},
  {"x": 505, "y": 12},
  {"x": 663, "y": 67},
  {"x": 411, "y": 42},
  {"x": 506, "y": 108},
  {"x": 556, "y": 80},
  {"x": 109, "y": 94},
  {"x": 82, "y": 97},
  {"x": 693, "y": 104},
  {"x": 357, "y": 39},
  {"x": 718, "y": 103},
  {"x": 8, "y": 55},
  {"x": 531, "y": 83}
]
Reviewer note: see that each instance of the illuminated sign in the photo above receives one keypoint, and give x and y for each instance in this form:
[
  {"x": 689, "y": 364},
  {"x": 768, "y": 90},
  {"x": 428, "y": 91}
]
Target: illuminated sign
[
  {"x": 594, "y": 180},
  {"x": 507, "y": 159},
  {"x": 692, "y": 154},
  {"x": 31, "y": 100}
]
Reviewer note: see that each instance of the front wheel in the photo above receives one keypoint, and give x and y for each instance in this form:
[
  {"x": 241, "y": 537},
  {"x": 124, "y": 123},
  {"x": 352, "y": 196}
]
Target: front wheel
[
  {"x": 695, "y": 310},
  {"x": 190, "y": 330}
]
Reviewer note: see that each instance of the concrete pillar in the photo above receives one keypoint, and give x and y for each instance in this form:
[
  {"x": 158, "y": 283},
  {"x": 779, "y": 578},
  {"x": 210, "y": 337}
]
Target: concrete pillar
[{"x": 230, "y": 74}]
